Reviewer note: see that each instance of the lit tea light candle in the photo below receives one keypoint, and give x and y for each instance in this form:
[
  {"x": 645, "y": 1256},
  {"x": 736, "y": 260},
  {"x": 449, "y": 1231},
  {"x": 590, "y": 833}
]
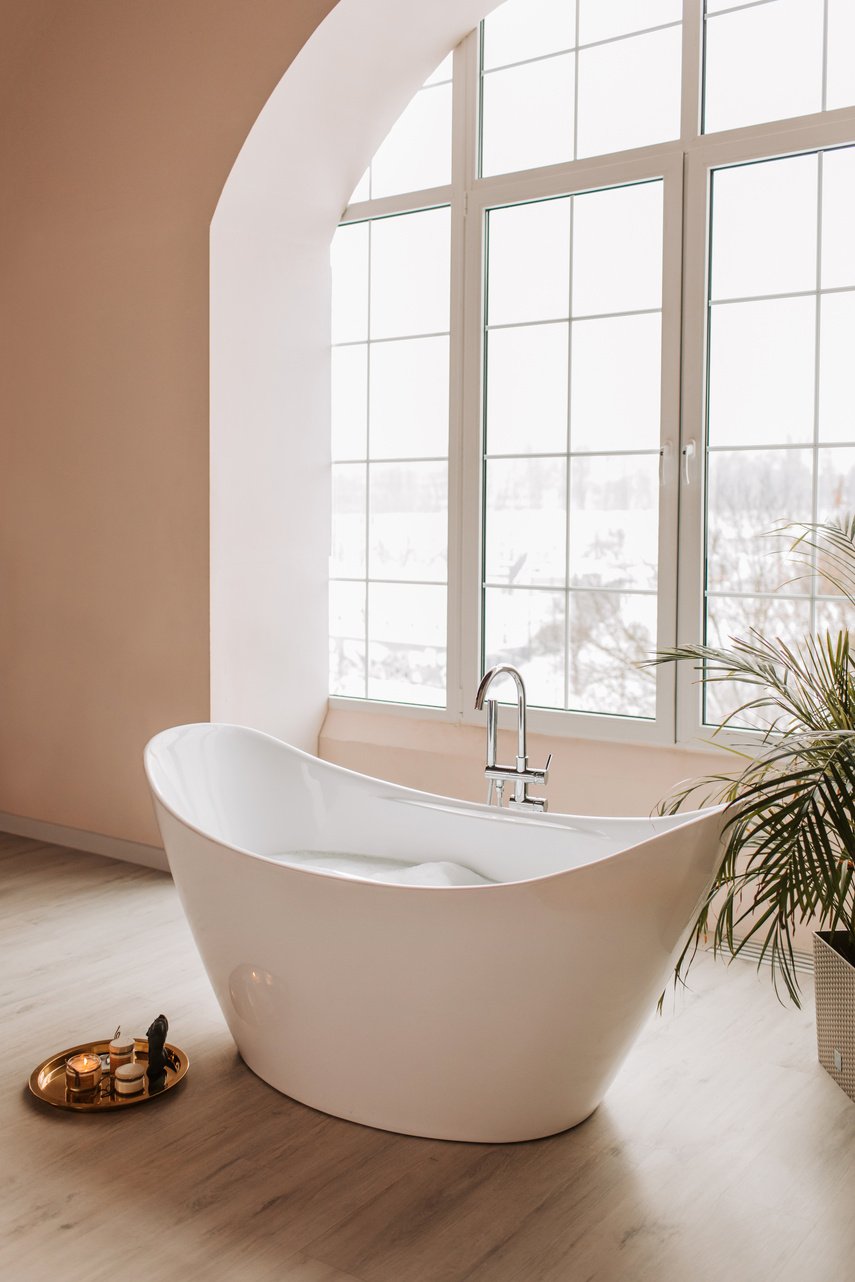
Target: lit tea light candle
[
  {"x": 83, "y": 1071},
  {"x": 129, "y": 1079},
  {"x": 121, "y": 1051}
]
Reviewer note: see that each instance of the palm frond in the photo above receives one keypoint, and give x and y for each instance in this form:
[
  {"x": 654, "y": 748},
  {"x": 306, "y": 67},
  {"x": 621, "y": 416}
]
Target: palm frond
[{"x": 789, "y": 849}]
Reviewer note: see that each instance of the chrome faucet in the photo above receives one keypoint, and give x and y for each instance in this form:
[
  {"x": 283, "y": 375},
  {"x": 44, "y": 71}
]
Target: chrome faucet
[{"x": 520, "y": 774}]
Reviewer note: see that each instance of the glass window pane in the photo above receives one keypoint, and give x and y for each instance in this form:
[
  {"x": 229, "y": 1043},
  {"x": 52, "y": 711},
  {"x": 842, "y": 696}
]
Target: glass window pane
[
  {"x": 615, "y": 387},
  {"x": 416, "y": 152},
  {"x": 406, "y": 643},
  {"x": 522, "y": 29},
  {"x": 610, "y": 634},
  {"x": 347, "y": 558},
  {"x": 835, "y": 498},
  {"x": 349, "y": 262},
  {"x": 840, "y": 83},
  {"x": 761, "y": 375},
  {"x": 763, "y": 62},
  {"x": 527, "y": 116},
  {"x": 837, "y": 368},
  {"x": 347, "y": 639},
  {"x": 614, "y": 376},
  {"x": 764, "y": 390},
  {"x": 629, "y": 92},
  {"x": 835, "y": 616},
  {"x": 410, "y": 274},
  {"x": 734, "y": 617},
  {"x": 527, "y": 389},
  {"x": 349, "y": 401},
  {"x": 398, "y": 382},
  {"x": 408, "y": 521},
  {"x": 617, "y": 249},
  {"x": 409, "y": 398},
  {"x": 528, "y": 274},
  {"x": 838, "y": 217},
  {"x": 750, "y": 494},
  {"x": 526, "y": 521},
  {"x": 526, "y": 628},
  {"x": 603, "y": 19},
  {"x": 764, "y": 228},
  {"x": 614, "y": 522}
]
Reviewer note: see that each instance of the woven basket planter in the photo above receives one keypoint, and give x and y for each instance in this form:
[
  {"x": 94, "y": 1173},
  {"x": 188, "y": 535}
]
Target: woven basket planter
[{"x": 834, "y": 970}]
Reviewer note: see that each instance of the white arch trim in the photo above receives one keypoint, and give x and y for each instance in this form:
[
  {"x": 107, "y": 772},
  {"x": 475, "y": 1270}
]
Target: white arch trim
[{"x": 270, "y": 333}]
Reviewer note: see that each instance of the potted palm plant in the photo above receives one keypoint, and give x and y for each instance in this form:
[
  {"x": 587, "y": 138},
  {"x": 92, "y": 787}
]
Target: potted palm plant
[{"x": 789, "y": 846}]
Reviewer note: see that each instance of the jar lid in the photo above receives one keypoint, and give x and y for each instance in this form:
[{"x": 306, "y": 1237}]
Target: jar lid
[
  {"x": 129, "y": 1072},
  {"x": 122, "y": 1045}
]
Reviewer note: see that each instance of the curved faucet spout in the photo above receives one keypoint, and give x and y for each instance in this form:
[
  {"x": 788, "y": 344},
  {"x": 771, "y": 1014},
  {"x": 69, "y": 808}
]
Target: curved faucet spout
[
  {"x": 519, "y": 774},
  {"x": 503, "y": 669}
]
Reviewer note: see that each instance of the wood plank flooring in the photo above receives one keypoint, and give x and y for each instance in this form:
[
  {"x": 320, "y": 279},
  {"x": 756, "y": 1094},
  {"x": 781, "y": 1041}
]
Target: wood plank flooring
[{"x": 722, "y": 1151}]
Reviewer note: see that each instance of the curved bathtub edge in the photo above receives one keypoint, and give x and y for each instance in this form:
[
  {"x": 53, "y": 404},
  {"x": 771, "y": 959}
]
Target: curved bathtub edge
[{"x": 431, "y": 801}]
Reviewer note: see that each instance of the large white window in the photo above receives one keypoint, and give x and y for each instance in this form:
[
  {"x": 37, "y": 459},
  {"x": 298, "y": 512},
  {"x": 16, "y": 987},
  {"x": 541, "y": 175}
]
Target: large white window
[{"x": 593, "y": 315}]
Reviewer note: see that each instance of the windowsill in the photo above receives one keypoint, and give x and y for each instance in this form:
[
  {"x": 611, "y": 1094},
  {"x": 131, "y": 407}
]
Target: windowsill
[{"x": 553, "y": 724}]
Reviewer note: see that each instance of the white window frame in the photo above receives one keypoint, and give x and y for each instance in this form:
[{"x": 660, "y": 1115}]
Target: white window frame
[
  {"x": 684, "y": 166},
  {"x": 713, "y": 151}
]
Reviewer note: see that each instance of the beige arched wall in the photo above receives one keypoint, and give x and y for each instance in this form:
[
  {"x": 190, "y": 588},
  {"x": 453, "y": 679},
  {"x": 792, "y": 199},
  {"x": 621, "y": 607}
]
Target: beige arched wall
[{"x": 119, "y": 126}]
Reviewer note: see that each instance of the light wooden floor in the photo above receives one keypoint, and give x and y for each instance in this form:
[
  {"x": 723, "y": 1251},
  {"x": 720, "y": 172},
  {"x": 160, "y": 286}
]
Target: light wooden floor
[{"x": 721, "y": 1152}]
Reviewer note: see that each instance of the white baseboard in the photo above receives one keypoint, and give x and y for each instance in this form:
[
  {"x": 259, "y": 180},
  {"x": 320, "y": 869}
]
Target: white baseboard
[{"x": 132, "y": 852}]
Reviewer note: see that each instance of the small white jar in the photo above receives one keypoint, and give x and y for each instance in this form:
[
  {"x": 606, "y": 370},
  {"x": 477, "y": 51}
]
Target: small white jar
[
  {"x": 121, "y": 1052},
  {"x": 129, "y": 1079}
]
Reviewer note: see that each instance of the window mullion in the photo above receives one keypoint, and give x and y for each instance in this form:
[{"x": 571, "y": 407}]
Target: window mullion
[
  {"x": 691, "y": 567},
  {"x": 466, "y": 362},
  {"x": 669, "y": 442},
  {"x": 692, "y": 70}
]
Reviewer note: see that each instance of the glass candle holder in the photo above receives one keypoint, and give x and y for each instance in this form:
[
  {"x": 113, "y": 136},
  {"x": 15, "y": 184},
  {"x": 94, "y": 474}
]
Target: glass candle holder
[{"x": 83, "y": 1072}]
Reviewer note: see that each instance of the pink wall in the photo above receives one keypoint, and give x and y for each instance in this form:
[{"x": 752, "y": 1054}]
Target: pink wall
[{"x": 120, "y": 124}]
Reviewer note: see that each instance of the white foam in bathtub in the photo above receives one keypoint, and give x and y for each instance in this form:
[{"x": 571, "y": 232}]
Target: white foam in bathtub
[
  {"x": 396, "y": 871},
  {"x": 436, "y": 874}
]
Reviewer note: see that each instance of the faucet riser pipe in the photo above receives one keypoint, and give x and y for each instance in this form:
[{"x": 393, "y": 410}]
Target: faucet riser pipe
[{"x": 492, "y": 730}]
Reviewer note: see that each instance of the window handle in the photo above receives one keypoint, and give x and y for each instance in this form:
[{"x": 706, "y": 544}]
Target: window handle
[
  {"x": 665, "y": 452},
  {"x": 689, "y": 451}
]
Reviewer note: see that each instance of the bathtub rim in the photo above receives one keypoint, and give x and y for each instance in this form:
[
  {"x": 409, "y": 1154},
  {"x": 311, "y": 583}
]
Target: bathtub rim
[{"x": 415, "y": 796}]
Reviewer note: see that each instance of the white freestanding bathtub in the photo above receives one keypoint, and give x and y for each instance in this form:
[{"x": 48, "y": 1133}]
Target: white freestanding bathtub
[{"x": 489, "y": 1012}]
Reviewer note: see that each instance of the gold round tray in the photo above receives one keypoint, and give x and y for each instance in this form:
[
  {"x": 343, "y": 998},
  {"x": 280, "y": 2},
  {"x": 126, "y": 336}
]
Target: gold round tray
[{"x": 47, "y": 1082}]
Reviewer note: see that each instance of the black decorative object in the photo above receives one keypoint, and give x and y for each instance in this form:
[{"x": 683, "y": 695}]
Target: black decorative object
[{"x": 157, "y": 1056}]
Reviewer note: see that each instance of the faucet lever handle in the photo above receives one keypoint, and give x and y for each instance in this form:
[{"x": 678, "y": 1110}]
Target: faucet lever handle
[{"x": 539, "y": 777}]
